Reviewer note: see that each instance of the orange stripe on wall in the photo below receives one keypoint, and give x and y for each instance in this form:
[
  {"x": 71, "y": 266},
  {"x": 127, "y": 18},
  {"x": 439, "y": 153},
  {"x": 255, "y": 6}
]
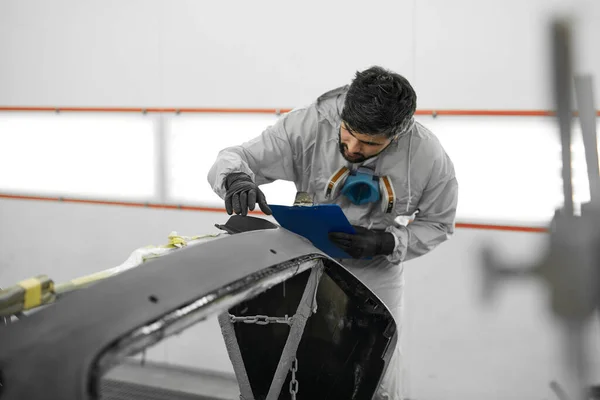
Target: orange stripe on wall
[
  {"x": 114, "y": 203},
  {"x": 148, "y": 110},
  {"x": 489, "y": 113},
  {"x": 222, "y": 210},
  {"x": 503, "y": 228}
]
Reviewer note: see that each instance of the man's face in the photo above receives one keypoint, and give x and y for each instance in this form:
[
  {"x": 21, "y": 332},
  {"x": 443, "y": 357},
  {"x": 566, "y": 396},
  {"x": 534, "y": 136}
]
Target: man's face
[{"x": 357, "y": 147}]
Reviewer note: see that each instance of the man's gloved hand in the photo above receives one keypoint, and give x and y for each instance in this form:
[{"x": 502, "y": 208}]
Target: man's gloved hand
[
  {"x": 365, "y": 243},
  {"x": 242, "y": 194}
]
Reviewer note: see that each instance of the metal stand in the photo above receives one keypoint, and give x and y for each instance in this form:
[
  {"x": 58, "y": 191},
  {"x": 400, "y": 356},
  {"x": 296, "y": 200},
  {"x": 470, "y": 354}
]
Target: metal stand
[
  {"x": 571, "y": 268},
  {"x": 288, "y": 361}
]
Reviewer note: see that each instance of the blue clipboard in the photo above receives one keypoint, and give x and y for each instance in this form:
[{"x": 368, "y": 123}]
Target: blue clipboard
[{"x": 315, "y": 223}]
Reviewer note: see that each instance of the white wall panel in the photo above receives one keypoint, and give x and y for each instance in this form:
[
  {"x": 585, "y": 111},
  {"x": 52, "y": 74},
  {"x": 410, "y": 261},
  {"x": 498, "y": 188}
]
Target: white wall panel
[
  {"x": 274, "y": 54},
  {"x": 462, "y": 54},
  {"x": 496, "y": 55},
  {"x": 79, "y": 53}
]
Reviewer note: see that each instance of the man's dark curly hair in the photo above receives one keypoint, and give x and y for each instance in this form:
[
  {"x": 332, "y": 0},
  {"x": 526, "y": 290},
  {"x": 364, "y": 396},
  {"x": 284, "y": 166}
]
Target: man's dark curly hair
[{"x": 379, "y": 102}]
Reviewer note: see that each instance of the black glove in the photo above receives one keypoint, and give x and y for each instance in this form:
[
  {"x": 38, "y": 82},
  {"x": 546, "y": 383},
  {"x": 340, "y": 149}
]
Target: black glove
[
  {"x": 242, "y": 194},
  {"x": 365, "y": 243}
]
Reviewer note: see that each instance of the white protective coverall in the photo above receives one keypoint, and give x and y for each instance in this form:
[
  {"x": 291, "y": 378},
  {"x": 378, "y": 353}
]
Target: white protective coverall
[{"x": 302, "y": 147}]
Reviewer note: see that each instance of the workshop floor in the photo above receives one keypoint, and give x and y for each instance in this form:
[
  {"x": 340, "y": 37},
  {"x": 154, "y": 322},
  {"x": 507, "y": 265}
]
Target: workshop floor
[{"x": 132, "y": 381}]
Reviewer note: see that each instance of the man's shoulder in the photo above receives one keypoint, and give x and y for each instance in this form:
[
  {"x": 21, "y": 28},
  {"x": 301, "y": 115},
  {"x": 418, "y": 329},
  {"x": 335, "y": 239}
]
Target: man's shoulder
[
  {"x": 327, "y": 105},
  {"x": 422, "y": 132},
  {"x": 330, "y": 104},
  {"x": 427, "y": 151},
  {"x": 428, "y": 140},
  {"x": 300, "y": 125},
  {"x": 300, "y": 119},
  {"x": 334, "y": 95},
  {"x": 432, "y": 152},
  {"x": 327, "y": 108}
]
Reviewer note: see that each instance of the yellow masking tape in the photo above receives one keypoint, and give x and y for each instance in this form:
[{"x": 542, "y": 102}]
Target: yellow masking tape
[
  {"x": 85, "y": 280},
  {"x": 177, "y": 241},
  {"x": 33, "y": 292}
]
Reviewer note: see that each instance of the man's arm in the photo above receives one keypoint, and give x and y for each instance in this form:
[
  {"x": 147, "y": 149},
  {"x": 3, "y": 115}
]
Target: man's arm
[
  {"x": 434, "y": 223},
  {"x": 266, "y": 158}
]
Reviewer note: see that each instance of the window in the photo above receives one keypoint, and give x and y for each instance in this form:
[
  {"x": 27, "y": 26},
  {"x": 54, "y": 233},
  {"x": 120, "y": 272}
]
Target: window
[
  {"x": 85, "y": 155},
  {"x": 194, "y": 141},
  {"x": 509, "y": 168}
]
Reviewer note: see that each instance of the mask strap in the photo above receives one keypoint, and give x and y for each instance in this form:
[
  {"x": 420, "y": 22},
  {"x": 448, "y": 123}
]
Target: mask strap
[
  {"x": 336, "y": 179},
  {"x": 388, "y": 196},
  {"x": 387, "y": 193}
]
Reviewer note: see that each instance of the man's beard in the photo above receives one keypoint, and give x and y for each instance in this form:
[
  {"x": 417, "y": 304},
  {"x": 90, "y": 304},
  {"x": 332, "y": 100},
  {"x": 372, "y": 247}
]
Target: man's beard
[
  {"x": 360, "y": 157},
  {"x": 343, "y": 149}
]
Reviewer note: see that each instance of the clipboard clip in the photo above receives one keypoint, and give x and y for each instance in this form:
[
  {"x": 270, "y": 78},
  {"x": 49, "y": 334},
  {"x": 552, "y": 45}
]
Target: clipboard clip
[{"x": 304, "y": 199}]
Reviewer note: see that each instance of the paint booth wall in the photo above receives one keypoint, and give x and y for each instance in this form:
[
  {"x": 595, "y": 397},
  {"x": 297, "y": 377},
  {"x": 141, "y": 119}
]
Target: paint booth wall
[
  {"x": 461, "y": 54},
  {"x": 454, "y": 345}
]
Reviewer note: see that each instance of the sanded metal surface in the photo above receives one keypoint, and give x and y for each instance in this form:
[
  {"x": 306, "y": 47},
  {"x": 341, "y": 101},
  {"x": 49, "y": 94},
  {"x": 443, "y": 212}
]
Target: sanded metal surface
[{"x": 51, "y": 353}]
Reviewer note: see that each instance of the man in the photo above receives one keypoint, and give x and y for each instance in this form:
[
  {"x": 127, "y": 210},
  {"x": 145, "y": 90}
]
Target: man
[{"x": 357, "y": 146}]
